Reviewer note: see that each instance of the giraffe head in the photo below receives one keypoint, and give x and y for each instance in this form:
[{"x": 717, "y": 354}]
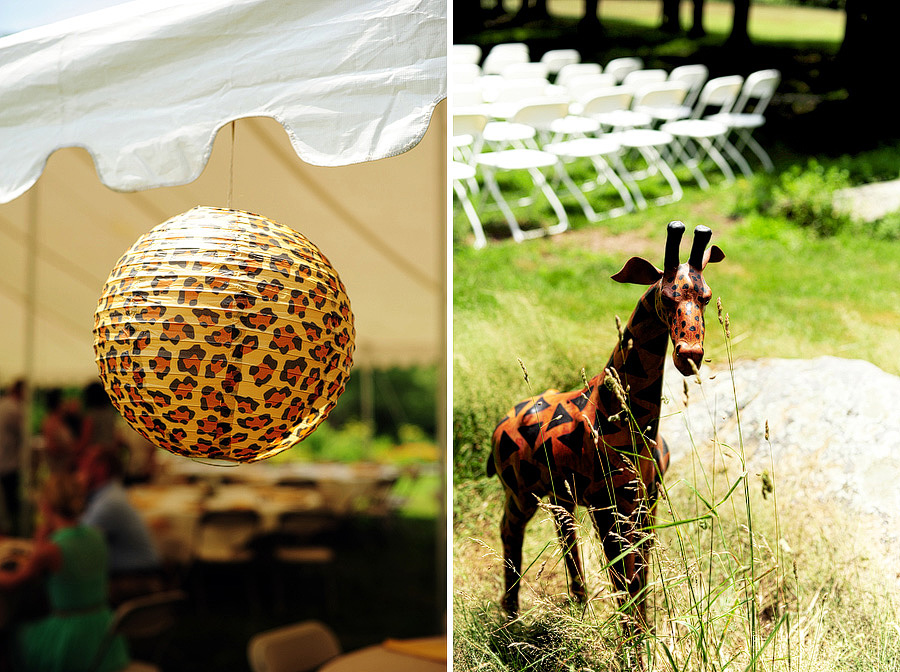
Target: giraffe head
[{"x": 682, "y": 293}]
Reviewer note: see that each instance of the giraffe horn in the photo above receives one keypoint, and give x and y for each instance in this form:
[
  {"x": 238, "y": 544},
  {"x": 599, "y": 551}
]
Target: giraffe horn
[
  {"x": 702, "y": 234},
  {"x": 675, "y": 231}
]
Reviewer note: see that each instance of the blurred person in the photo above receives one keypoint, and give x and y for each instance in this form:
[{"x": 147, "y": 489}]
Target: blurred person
[
  {"x": 134, "y": 564},
  {"x": 59, "y": 438},
  {"x": 100, "y": 421},
  {"x": 73, "y": 560},
  {"x": 11, "y": 419}
]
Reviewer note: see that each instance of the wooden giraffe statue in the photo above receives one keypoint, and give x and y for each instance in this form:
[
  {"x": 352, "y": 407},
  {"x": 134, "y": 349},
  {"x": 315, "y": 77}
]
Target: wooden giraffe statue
[{"x": 599, "y": 446}]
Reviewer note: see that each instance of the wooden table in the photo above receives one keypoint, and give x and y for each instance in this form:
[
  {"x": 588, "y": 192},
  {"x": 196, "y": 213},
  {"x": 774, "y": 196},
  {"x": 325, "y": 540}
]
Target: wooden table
[{"x": 407, "y": 655}]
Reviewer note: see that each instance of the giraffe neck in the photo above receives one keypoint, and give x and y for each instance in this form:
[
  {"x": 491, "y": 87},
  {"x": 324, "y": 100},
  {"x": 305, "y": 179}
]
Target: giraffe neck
[{"x": 640, "y": 367}]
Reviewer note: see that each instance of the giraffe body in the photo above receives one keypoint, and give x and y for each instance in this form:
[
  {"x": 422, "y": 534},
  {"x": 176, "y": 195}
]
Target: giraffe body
[{"x": 586, "y": 447}]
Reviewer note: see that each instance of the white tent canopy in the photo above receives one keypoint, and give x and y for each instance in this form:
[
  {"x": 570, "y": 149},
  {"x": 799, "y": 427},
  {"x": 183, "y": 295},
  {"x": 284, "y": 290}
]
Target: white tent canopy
[{"x": 112, "y": 122}]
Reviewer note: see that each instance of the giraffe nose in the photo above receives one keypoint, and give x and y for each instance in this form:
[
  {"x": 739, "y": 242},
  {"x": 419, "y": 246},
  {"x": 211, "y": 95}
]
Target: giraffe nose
[{"x": 693, "y": 352}]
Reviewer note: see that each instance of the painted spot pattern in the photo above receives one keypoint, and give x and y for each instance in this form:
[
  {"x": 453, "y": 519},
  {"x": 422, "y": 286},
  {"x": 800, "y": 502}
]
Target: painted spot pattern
[{"x": 224, "y": 335}]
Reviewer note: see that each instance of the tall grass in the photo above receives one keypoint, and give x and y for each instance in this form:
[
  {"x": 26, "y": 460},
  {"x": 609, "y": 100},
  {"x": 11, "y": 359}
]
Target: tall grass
[{"x": 751, "y": 571}]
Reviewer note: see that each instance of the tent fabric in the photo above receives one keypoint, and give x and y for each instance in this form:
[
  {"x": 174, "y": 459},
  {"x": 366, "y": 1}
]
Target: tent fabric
[
  {"x": 139, "y": 98},
  {"x": 145, "y": 87}
]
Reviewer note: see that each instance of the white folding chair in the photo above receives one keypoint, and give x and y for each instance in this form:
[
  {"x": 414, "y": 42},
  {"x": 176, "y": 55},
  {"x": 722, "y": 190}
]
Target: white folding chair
[
  {"x": 502, "y": 55},
  {"x": 695, "y": 76},
  {"x": 506, "y": 96},
  {"x": 556, "y": 59},
  {"x": 603, "y": 155},
  {"x": 650, "y": 145},
  {"x": 468, "y": 135},
  {"x": 698, "y": 138},
  {"x": 465, "y": 53},
  {"x": 462, "y": 174},
  {"x": 462, "y": 74},
  {"x": 532, "y": 162},
  {"x": 620, "y": 67},
  {"x": 638, "y": 78},
  {"x": 573, "y": 70},
  {"x": 525, "y": 71},
  {"x": 663, "y": 101},
  {"x": 747, "y": 113},
  {"x": 612, "y": 108},
  {"x": 582, "y": 87}
]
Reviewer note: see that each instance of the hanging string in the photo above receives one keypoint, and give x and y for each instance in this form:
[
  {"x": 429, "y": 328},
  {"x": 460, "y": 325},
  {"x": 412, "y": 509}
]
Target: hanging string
[{"x": 231, "y": 171}]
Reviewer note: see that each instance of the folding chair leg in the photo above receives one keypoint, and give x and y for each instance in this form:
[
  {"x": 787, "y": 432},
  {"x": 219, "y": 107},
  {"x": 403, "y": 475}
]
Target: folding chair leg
[
  {"x": 564, "y": 177},
  {"x": 541, "y": 182},
  {"x": 604, "y": 169},
  {"x": 469, "y": 209},
  {"x": 718, "y": 159},
  {"x": 737, "y": 157},
  {"x": 636, "y": 197},
  {"x": 490, "y": 181},
  {"x": 748, "y": 140},
  {"x": 654, "y": 158}
]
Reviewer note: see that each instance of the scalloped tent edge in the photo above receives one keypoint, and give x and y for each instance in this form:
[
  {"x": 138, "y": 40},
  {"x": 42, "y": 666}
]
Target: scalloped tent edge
[{"x": 354, "y": 86}]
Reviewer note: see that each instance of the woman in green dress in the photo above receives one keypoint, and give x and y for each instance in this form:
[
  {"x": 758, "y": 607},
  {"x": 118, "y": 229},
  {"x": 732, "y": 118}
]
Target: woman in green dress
[{"x": 72, "y": 557}]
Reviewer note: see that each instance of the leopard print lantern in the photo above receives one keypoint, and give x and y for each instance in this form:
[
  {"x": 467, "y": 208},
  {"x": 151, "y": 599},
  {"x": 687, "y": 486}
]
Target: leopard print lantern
[{"x": 223, "y": 335}]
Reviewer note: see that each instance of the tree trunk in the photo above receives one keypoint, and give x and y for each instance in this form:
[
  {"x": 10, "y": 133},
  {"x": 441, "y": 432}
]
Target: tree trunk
[
  {"x": 589, "y": 27},
  {"x": 671, "y": 20},
  {"x": 869, "y": 47},
  {"x": 739, "y": 36},
  {"x": 697, "y": 30}
]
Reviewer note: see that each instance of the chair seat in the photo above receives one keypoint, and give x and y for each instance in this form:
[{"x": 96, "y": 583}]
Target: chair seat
[
  {"x": 461, "y": 171},
  {"x": 623, "y": 118},
  {"x": 517, "y": 159},
  {"x": 643, "y": 137},
  {"x": 695, "y": 128},
  {"x": 573, "y": 125},
  {"x": 507, "y": 131},
  {"x": 582, "y": 148},
  {"x": 738, "y": 120}
]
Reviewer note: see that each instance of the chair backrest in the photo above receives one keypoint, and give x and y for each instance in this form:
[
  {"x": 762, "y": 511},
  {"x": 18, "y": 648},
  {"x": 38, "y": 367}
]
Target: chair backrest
[
  {"x": 573, "y": 70},
  {"x": 610, "y": 100},
  {"x": 502, "y": 55},
  {"x": 759, "y": 86},
  {"x": 581, "y": 87},
  {"x": 467, "y": 95},
  {"x": 622, "y": 66},
  {"x": 515, "y": 90},
  {"x": 525, "y": 71},
  {"x": 465, "y": 53},
  {"x": 144, "y": 617},
  {"x": 464, "y": 73},
  {"x": 719, "y": 92},
  {"x": 661, "y": 94},
  {"x": 148, "y": 616},
  {"x": 695, "y": 75},
  {"x": 469, "y": 124},
  {"x": 541, "y": 115},
  {"x": 556, "y": 59},
  {"x": 637, "y": 78},
  {"x": 300, "y": 647}
]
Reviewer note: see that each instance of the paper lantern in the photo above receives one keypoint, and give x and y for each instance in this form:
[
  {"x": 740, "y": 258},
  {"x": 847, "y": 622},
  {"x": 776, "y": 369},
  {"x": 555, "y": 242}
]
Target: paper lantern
[{"x": 223, "y": 335}]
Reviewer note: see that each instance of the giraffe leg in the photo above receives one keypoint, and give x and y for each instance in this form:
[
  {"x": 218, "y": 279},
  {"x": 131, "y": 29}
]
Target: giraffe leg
[
  {"x": 512, "y": 532},
  {"x": 627, "y": 547},
  {"x": 566, "y": 528}
]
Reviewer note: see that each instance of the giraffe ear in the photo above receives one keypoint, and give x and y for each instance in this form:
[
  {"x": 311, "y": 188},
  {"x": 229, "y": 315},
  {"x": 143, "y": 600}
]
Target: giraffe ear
[
  {"x": 713, "y": 255},
  {"x": 637, "y": 271}
]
